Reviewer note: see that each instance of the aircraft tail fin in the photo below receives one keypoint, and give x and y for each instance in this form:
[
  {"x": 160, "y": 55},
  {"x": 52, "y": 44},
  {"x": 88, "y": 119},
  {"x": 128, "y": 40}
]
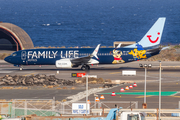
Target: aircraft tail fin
[{"x": 153, "y": 36}]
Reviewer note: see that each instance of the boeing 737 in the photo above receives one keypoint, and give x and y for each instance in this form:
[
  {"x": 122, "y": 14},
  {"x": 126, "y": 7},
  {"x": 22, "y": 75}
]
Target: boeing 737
[{"x": 73, "y": 57}]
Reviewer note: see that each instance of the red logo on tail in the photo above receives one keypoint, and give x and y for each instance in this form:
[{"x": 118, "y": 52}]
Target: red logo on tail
[{"x": 153, "y": 41}]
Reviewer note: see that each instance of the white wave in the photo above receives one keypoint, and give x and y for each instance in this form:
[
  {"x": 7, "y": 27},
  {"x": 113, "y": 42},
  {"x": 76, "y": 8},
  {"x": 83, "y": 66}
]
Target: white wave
[{"x": 46, "y": 24}]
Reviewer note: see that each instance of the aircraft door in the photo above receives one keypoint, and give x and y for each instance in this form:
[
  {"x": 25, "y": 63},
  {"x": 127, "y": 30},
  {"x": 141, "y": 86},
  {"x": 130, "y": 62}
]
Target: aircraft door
[{"x": 23, "y": 57}]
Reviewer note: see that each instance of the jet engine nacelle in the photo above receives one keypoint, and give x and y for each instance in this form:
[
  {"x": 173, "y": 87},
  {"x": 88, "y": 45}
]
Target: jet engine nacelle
[{"x": 64, "y": 63}]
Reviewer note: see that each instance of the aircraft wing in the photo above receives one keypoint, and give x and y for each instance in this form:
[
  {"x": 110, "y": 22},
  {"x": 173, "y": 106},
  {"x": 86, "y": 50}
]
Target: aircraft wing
[{"x": 86, "y": 59}]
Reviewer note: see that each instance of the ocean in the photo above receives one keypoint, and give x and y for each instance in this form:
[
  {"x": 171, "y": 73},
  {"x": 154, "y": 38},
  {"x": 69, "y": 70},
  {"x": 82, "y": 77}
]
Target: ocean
[{"x": 73, "y": 23}]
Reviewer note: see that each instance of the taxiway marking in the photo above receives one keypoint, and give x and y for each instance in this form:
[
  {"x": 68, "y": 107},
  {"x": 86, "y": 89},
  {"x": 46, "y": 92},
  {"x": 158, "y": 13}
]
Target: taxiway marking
[{"x": 114, "y": 72}]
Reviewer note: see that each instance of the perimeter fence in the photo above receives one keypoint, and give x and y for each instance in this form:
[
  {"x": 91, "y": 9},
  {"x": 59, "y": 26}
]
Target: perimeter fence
[{"x": 50, "y": 107}]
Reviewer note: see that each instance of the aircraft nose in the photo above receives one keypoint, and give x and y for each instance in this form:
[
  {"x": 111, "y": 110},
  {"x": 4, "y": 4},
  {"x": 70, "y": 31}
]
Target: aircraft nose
[{"x": 7, "y": 59}]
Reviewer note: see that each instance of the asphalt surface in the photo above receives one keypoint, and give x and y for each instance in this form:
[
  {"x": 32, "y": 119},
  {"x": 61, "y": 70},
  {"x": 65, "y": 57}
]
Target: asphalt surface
[{"x": 170, "y": 82}]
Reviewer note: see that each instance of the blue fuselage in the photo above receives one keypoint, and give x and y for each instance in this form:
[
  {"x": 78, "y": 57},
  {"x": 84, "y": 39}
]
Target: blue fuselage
[{"x": 49, "y": 56}]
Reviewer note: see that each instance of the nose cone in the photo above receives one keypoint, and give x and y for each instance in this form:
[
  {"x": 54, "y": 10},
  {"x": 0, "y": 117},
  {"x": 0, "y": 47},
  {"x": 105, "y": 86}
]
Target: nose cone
[{"x": 7, "y": 59}]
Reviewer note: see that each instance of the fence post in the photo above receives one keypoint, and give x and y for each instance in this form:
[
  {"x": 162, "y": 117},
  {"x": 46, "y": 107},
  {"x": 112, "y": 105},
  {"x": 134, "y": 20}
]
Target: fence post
[
  {"x": 25, "y": 110},
  {"x": 99, "y": 106},
  {"x": 157, "y": 113},
  {"x": 63, "y": 107},
  {"x": 13, "y": 109},
  {"x": 136, "y": 105},
  {"x": 53, "y": 104}
]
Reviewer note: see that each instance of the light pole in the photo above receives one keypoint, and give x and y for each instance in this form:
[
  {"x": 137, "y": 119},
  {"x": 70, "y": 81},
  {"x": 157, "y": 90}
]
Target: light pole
[
  {"x": 86, "y": 94},
  {"x": 87, "y": 72},
  {"x": 145, "y": 67},
  {"x": 159, "y": 90}
]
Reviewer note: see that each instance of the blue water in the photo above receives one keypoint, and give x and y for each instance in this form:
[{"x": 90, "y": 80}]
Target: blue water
[{"x": 90, "y": 22}]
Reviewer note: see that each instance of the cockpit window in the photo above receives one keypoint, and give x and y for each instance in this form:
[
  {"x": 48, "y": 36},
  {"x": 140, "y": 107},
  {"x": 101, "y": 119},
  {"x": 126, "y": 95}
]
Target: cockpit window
[{"x": 14, "y": 54}]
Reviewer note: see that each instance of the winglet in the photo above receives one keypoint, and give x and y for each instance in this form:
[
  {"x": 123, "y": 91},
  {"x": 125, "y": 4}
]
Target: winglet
[
  {"x": 96, "y": 51},
  {"x": 119, "y": 45}
]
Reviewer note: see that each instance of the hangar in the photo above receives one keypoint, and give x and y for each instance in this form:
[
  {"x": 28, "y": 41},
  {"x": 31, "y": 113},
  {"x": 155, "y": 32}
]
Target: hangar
[{"x": 14, "y": 38}]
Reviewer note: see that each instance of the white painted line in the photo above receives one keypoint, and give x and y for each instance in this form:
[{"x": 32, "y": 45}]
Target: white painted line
[
  {"x": 5, "y": 71},
  {"x": 128, "y": 72}
]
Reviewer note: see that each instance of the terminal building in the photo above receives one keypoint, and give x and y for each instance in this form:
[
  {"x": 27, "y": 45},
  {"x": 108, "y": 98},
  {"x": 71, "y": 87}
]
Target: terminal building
[{"x": 14, "y": 38}]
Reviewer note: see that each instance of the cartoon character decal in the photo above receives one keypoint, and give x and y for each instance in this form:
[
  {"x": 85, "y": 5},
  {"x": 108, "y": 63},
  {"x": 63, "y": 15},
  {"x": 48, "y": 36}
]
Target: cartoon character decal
[
  {"x": 138, "y": 53},
  {"x": 117, "y": 56}
]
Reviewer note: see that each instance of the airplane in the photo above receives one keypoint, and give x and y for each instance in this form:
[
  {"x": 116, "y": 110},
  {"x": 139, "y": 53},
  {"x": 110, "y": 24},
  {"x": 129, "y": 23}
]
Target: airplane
[{"x": 74, "y": 57}]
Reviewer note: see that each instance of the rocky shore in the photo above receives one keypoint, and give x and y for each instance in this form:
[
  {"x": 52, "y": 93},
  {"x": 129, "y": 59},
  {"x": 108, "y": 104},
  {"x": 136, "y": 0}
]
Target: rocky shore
[{"x": 37, "y": 80}]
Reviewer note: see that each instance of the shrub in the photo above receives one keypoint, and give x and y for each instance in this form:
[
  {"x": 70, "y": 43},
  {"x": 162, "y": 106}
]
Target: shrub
[{"x": 3, "y": 55}]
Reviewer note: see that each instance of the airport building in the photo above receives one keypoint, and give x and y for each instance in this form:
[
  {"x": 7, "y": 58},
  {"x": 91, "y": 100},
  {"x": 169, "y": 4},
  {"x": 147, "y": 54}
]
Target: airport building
[{"x": 14, "y": 38}]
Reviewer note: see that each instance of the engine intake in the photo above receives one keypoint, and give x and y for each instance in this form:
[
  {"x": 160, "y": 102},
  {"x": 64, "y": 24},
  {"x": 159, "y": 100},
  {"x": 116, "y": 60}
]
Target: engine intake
[{"x": 64, "y": 63}]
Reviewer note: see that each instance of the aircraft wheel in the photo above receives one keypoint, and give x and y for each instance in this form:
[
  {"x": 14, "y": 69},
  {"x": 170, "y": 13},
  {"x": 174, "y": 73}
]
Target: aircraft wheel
[{"x": 85, "y": 67}]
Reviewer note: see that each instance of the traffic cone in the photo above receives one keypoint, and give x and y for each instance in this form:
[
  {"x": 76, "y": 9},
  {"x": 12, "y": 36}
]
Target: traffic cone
[
  {"x": 127, "y": 88},
  {"x": 135, "y": 85},
  {"x": 88, "y": 102},
  {"x": 122, "y": 90},
  {"x": 130, "y": 87},
  {"x": 113, "y": 94},
  {"x": 102, "y": 97},
  {"x": 97, "y": 99}
]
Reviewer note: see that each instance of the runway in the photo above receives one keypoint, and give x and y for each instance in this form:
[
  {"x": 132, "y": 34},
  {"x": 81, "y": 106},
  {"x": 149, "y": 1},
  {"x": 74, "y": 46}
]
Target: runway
[{"x": 170, "y": 82}]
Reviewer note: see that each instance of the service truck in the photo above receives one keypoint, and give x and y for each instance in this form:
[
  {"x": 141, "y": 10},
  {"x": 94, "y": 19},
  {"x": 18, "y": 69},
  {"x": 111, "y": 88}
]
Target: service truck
[{"x": 131, "y": 116}]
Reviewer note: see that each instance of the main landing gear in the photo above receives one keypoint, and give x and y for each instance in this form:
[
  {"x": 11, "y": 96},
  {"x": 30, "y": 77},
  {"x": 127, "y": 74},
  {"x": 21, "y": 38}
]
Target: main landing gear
[
  {"x": 20, "y": 67},
  {"x": 85, "y": 67}
]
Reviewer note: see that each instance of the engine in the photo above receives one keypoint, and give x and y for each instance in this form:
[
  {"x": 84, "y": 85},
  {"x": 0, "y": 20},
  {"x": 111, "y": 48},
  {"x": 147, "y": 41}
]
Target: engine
[{"x": 64, "y": 63}]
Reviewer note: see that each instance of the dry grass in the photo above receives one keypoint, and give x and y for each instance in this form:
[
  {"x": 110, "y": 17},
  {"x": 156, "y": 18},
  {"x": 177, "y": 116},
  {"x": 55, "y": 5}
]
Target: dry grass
[
  {"x": 64, "y": 88},
  {"x": 166, "y": 55},
  {"x": 49, "y": 86},
  {"x": 93, "y": 80},
  {"x": 3, "y": 55}
]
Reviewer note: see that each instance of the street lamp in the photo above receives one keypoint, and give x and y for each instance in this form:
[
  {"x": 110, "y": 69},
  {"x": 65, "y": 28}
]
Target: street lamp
[
  {"x": 145, "y": 66},
  {"x": 159, "y": 90},
  {"x": 87, "y": 72}
]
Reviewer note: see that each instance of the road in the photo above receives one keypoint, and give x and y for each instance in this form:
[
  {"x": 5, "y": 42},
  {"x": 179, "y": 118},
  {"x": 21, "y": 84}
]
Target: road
[{"x": 170, "y": 82}]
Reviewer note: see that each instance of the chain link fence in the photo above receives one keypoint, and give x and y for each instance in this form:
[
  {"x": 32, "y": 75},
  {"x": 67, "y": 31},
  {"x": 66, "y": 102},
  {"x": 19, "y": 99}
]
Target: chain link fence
[{"x": 50, "y": 107}]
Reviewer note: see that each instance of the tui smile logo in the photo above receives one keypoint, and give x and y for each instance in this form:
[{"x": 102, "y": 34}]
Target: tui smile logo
[{"x": 153, "y": 41}]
